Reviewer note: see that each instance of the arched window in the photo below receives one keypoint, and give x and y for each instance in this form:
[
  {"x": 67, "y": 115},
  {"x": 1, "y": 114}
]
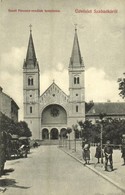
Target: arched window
[
  {"x": 30, "y": 81},
  {"x": 31, "y": 110},
  {"x": 76, "y": 80},
  {"x": 77, "y": 108}
]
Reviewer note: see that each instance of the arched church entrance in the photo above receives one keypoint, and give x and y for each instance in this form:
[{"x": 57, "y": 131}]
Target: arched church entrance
[
  {"x": 63, "y": 132},
  {"x": 54, "y": 134},
  {"x": 45, "y": 133},
  {"x": 53, "y": 114},
  {"x": 53, "y": 118}
]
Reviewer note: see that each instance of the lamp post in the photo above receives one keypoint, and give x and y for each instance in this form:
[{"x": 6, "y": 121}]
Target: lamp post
[
  {"x": 101, "y": 141},
  {"x": 69, "y": 130},
  {"x": 101, "y": 116},
  {"x": 82, "y": 132},
  {"x": 75, "y": 140}
]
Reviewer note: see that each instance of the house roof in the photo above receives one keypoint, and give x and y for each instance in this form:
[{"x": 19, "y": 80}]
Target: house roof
[
  {"x": 109, "y": 108},
  {"x": 13, "y": 102}
]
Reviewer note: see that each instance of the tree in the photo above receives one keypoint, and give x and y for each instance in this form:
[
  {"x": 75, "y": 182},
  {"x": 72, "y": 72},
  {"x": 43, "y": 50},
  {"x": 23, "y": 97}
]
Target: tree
[
  {"x": 113, "y": 129},
  {"x": 8, "y": 125},
  {"x": 87, "y": 129},
  {"x": 69, "y": 130},
  {"x": 121, "y": 82},
  {"x": 23, "y": 129},
  {"x": 77, "y": 130}
]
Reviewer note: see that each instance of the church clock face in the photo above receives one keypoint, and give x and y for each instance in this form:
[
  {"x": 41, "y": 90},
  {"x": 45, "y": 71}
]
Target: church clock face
[{"x": 54, "y": 111}]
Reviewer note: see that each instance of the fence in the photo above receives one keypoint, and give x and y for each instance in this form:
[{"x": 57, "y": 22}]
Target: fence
[
  {"x": 70, "y": 144},
  {"x": 76, "y": 144}
]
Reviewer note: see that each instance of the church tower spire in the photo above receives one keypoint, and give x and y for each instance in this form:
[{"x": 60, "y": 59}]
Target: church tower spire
[
  {"x": 31, "y": 89},
  {"x": 76, "y": 59},
  {"x": 76, "y": 85},
  {"x": 31, "y": 60}
]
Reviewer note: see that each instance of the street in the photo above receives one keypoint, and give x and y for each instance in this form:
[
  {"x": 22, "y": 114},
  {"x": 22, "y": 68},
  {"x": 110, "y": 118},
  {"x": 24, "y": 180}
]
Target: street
[{"x": 49, "y": 171}]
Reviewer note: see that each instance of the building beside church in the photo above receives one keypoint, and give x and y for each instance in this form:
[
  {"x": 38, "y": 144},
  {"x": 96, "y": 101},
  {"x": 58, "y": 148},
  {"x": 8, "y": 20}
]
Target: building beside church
[
  {"x": 8, "y": 106},
  {"x": 111, "y": 109},
  {"x": 50, "y": 113}
]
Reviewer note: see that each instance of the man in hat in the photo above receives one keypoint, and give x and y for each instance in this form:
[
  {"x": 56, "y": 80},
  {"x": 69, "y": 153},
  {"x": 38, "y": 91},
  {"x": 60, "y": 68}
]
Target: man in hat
[{"x": 108, "y": 151}]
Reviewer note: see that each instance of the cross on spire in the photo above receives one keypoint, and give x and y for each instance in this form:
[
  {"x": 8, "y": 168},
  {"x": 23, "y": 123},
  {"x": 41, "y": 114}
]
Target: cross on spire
[
  {"x": 30, "y": 28},
  {"x": 75, "y": 27}
]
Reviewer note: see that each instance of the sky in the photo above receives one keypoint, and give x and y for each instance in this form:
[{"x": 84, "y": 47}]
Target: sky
[{"x": 101, "y": 38}]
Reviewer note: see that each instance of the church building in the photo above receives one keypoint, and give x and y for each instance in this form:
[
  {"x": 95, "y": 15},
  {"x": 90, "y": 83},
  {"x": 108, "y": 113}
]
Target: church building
[{"x": 50, "y": 113}]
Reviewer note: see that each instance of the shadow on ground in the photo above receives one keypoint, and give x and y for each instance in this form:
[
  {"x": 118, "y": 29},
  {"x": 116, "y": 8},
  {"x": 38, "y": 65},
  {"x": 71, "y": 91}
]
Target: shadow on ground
[
  {"x": 7, "y": 171},
  {"x": 11, "y": 183}
]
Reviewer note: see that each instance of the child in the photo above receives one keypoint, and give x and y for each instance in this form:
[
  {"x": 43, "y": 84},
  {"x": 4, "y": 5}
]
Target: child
[
  {"x": 108, "y": 151},
  {"x": 86, "y": 153},
  {"x": 99, "y": 153}
]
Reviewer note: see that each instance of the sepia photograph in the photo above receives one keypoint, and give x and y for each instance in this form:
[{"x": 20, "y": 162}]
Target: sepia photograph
[{"x": 62, "y": 97}]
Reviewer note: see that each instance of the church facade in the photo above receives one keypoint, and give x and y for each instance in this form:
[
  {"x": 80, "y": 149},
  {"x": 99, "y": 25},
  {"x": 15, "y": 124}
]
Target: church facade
[{"x": 50, "y": 113}]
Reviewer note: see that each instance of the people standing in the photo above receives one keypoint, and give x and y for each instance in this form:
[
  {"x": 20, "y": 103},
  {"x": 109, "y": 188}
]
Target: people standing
[
  {"x": 108, "y": 151},
  {"x": 123, "y": 150},
  {"x": 86, "y": 153},
  {"x": 84, "y": 141},
  {"x": 99, "y": 153}
]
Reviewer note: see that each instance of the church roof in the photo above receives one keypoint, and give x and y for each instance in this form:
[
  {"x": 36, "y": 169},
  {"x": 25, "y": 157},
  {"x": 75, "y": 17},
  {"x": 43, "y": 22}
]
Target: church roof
[
  {"x": 31, "y": 61},
  {"x": 110, "y": 108},
  {"x": 55, "y": 87},
  {"x": 53, "y": 95},
  {"x": 76, "y": 59}
]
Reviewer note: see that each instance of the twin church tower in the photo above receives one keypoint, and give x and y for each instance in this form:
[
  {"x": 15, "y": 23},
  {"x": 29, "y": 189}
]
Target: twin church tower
[{"x": 49, "y": 114}]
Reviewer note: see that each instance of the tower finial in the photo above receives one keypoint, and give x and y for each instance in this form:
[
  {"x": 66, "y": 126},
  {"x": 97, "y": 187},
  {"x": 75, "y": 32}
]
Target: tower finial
[
  {"x": 75, "y": 27},
  {"x": 30, "y": 28}
]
